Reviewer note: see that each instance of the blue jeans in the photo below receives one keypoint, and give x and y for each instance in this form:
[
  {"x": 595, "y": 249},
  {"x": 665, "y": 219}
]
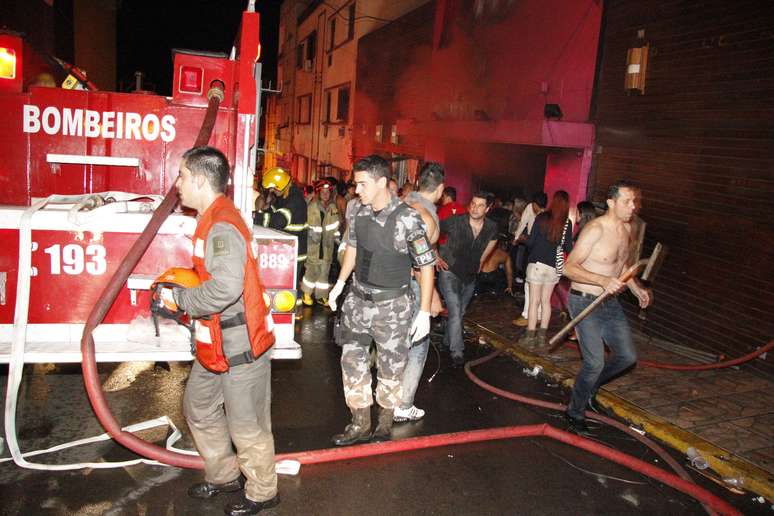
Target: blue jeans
[
  {"x": 415, "y": 362},
  {"x": 457, "y": 294},
  {"x": 607, "y": 323}
]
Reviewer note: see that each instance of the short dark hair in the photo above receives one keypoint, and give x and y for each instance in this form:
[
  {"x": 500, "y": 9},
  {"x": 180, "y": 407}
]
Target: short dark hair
[
  {"x": 541, "y": 199},
  {"x": 376, "y": 166},
  {"x": 430, "y": 176},
  {"x": 483, "y": 194},
  {"x": 210, "y": 163},
  {"x": 615, "y": 189},
  {"x": 450, "y": 192}
]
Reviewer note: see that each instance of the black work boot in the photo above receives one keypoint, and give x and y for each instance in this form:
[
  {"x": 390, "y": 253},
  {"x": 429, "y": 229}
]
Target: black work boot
[
  {"x": 246, "y": 506},
  {"x": 208, "y": 490},
  {"x": 358, "y": 431},
  {"x": 384, "y": 426}
]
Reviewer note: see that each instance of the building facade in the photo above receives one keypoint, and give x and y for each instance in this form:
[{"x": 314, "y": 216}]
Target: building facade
[
  {"x": 309, "y": 123},
  {"x": 497, "y": 91},
  {"x": 697, "y": 138}
]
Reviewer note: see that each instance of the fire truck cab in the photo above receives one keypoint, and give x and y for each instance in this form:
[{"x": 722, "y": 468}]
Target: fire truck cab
[{"x": 81, "y": 174}]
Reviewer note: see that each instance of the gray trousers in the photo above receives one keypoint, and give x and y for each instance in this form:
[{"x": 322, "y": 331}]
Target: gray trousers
[{"x": 234, "y": 406}]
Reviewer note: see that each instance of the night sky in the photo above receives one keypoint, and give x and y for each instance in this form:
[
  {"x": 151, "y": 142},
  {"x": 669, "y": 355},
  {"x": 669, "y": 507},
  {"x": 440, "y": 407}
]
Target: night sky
[{"x": 147, "y": 31}]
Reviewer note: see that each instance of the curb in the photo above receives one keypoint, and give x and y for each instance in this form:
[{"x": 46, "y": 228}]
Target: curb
[{"x": 724, "y": 463}]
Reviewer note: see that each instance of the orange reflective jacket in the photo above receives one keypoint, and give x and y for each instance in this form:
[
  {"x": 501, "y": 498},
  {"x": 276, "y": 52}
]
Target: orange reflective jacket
[{"x": 209, "y": 337}]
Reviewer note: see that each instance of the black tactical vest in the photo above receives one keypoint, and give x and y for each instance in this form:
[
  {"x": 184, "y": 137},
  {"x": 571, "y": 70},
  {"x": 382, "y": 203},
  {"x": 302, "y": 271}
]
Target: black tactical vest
[{"x": 378, "y": 263}]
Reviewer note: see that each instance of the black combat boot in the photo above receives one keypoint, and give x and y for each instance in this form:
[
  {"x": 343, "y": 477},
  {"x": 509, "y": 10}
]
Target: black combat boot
[
  {"x": 358, "y": 431},
  {"x": 208, "y": 490},
  {"x": 384, "y": 426}
]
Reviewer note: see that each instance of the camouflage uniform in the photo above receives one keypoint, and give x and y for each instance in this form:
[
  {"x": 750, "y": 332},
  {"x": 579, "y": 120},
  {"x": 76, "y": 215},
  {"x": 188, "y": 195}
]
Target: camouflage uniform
[{"x": 388, "y": 321}]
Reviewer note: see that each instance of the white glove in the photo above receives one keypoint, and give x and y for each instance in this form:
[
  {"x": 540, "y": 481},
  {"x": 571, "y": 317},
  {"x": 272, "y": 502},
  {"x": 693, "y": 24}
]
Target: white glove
[
  {"x": 168, "y": 299},
  {"x": 334, "y": 294},
  {"x": 420, "y": 328}
]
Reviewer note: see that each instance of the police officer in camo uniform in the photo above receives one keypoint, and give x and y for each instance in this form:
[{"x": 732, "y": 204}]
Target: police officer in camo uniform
[{"x": 385, "y": 239}]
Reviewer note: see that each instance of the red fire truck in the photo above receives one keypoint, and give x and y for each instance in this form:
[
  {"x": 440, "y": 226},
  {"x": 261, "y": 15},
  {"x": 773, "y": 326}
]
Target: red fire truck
[{"x": 81, "y": 173}]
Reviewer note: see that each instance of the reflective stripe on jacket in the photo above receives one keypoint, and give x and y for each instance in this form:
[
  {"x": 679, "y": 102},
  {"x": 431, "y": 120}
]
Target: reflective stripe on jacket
[{"x": 209, "y": 336}]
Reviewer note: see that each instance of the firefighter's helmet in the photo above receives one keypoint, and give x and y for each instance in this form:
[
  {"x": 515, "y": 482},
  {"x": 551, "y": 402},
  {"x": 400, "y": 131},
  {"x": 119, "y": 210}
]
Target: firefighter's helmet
[
  {"x": 174, "y": 277},
  {"x": 322, "y": 183},
  {"x": 276, "y": 178}
]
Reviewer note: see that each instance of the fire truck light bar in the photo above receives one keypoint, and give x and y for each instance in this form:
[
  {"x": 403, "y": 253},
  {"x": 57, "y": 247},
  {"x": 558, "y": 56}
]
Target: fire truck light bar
[
  {"x": 77, "y": 159},
  {"x": 7, "y": 63}
]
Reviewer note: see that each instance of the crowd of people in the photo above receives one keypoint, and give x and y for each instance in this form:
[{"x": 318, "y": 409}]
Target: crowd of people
[{"x": 395, "y": 255}]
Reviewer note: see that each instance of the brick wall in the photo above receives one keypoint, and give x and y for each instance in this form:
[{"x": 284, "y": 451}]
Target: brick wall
[{"x": 699, "y": 142}]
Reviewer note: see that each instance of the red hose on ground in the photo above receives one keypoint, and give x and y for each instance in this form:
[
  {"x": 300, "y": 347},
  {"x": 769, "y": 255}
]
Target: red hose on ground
[
  {"x": 668, "y": 459},
  {"x": 702, "y": 367},
  {"x": 510, "y": 432}
]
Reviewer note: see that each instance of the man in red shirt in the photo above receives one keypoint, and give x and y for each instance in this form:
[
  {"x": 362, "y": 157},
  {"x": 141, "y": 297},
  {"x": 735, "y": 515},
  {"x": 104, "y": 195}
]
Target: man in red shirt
[{"x": 449, "y": 206}]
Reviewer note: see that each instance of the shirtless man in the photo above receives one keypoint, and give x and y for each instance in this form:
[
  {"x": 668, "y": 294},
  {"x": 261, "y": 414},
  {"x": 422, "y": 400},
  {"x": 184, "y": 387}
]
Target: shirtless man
[
  {"x": 491, "y": 277},
  {"x": 431, "y": 184},
  {"x": 594, "y": 265}
]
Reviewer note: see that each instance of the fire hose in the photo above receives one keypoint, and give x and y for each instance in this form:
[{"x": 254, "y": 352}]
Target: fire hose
[
  {"x": 169, "y": 457},
  {"x": 108, "y": 296},
  {"x": 679, "y": 470},
  {"x": 702, "y": 367},
  {"x": 711, "y": 501}
]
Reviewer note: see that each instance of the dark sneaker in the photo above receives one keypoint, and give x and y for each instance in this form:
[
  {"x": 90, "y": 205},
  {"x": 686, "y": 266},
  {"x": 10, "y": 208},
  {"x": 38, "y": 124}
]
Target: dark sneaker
[
  {"x": 458, "y": 361},
  {"x": 577, "y": 426},
  {"x": 594, "y": 406}
]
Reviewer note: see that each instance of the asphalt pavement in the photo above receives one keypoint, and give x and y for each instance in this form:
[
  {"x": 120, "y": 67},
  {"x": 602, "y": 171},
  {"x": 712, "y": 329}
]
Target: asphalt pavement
[{"x": 519, "y": 476}]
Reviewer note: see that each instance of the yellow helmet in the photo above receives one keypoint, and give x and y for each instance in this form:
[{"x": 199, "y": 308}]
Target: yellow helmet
[{"x": 277, "y": 178}]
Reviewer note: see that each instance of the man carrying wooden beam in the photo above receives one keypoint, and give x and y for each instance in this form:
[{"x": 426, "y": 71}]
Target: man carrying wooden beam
[{"x": 594, "y": 266}]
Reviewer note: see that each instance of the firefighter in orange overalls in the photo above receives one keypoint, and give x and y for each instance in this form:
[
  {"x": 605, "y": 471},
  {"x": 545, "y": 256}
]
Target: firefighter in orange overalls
[{"x": 233, "y": 336}]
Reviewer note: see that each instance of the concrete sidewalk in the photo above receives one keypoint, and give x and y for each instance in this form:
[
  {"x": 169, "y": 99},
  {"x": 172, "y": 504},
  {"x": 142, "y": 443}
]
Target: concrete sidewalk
[{"x": 727, "y": 415}]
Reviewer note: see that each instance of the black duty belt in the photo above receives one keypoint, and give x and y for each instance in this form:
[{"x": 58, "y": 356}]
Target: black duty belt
[
  {"x": 242, "y": 358},
  {"x": 582, "y": 294},
  {"x": 237, "y": 320},
  {"x": 384, "y": 295}
]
